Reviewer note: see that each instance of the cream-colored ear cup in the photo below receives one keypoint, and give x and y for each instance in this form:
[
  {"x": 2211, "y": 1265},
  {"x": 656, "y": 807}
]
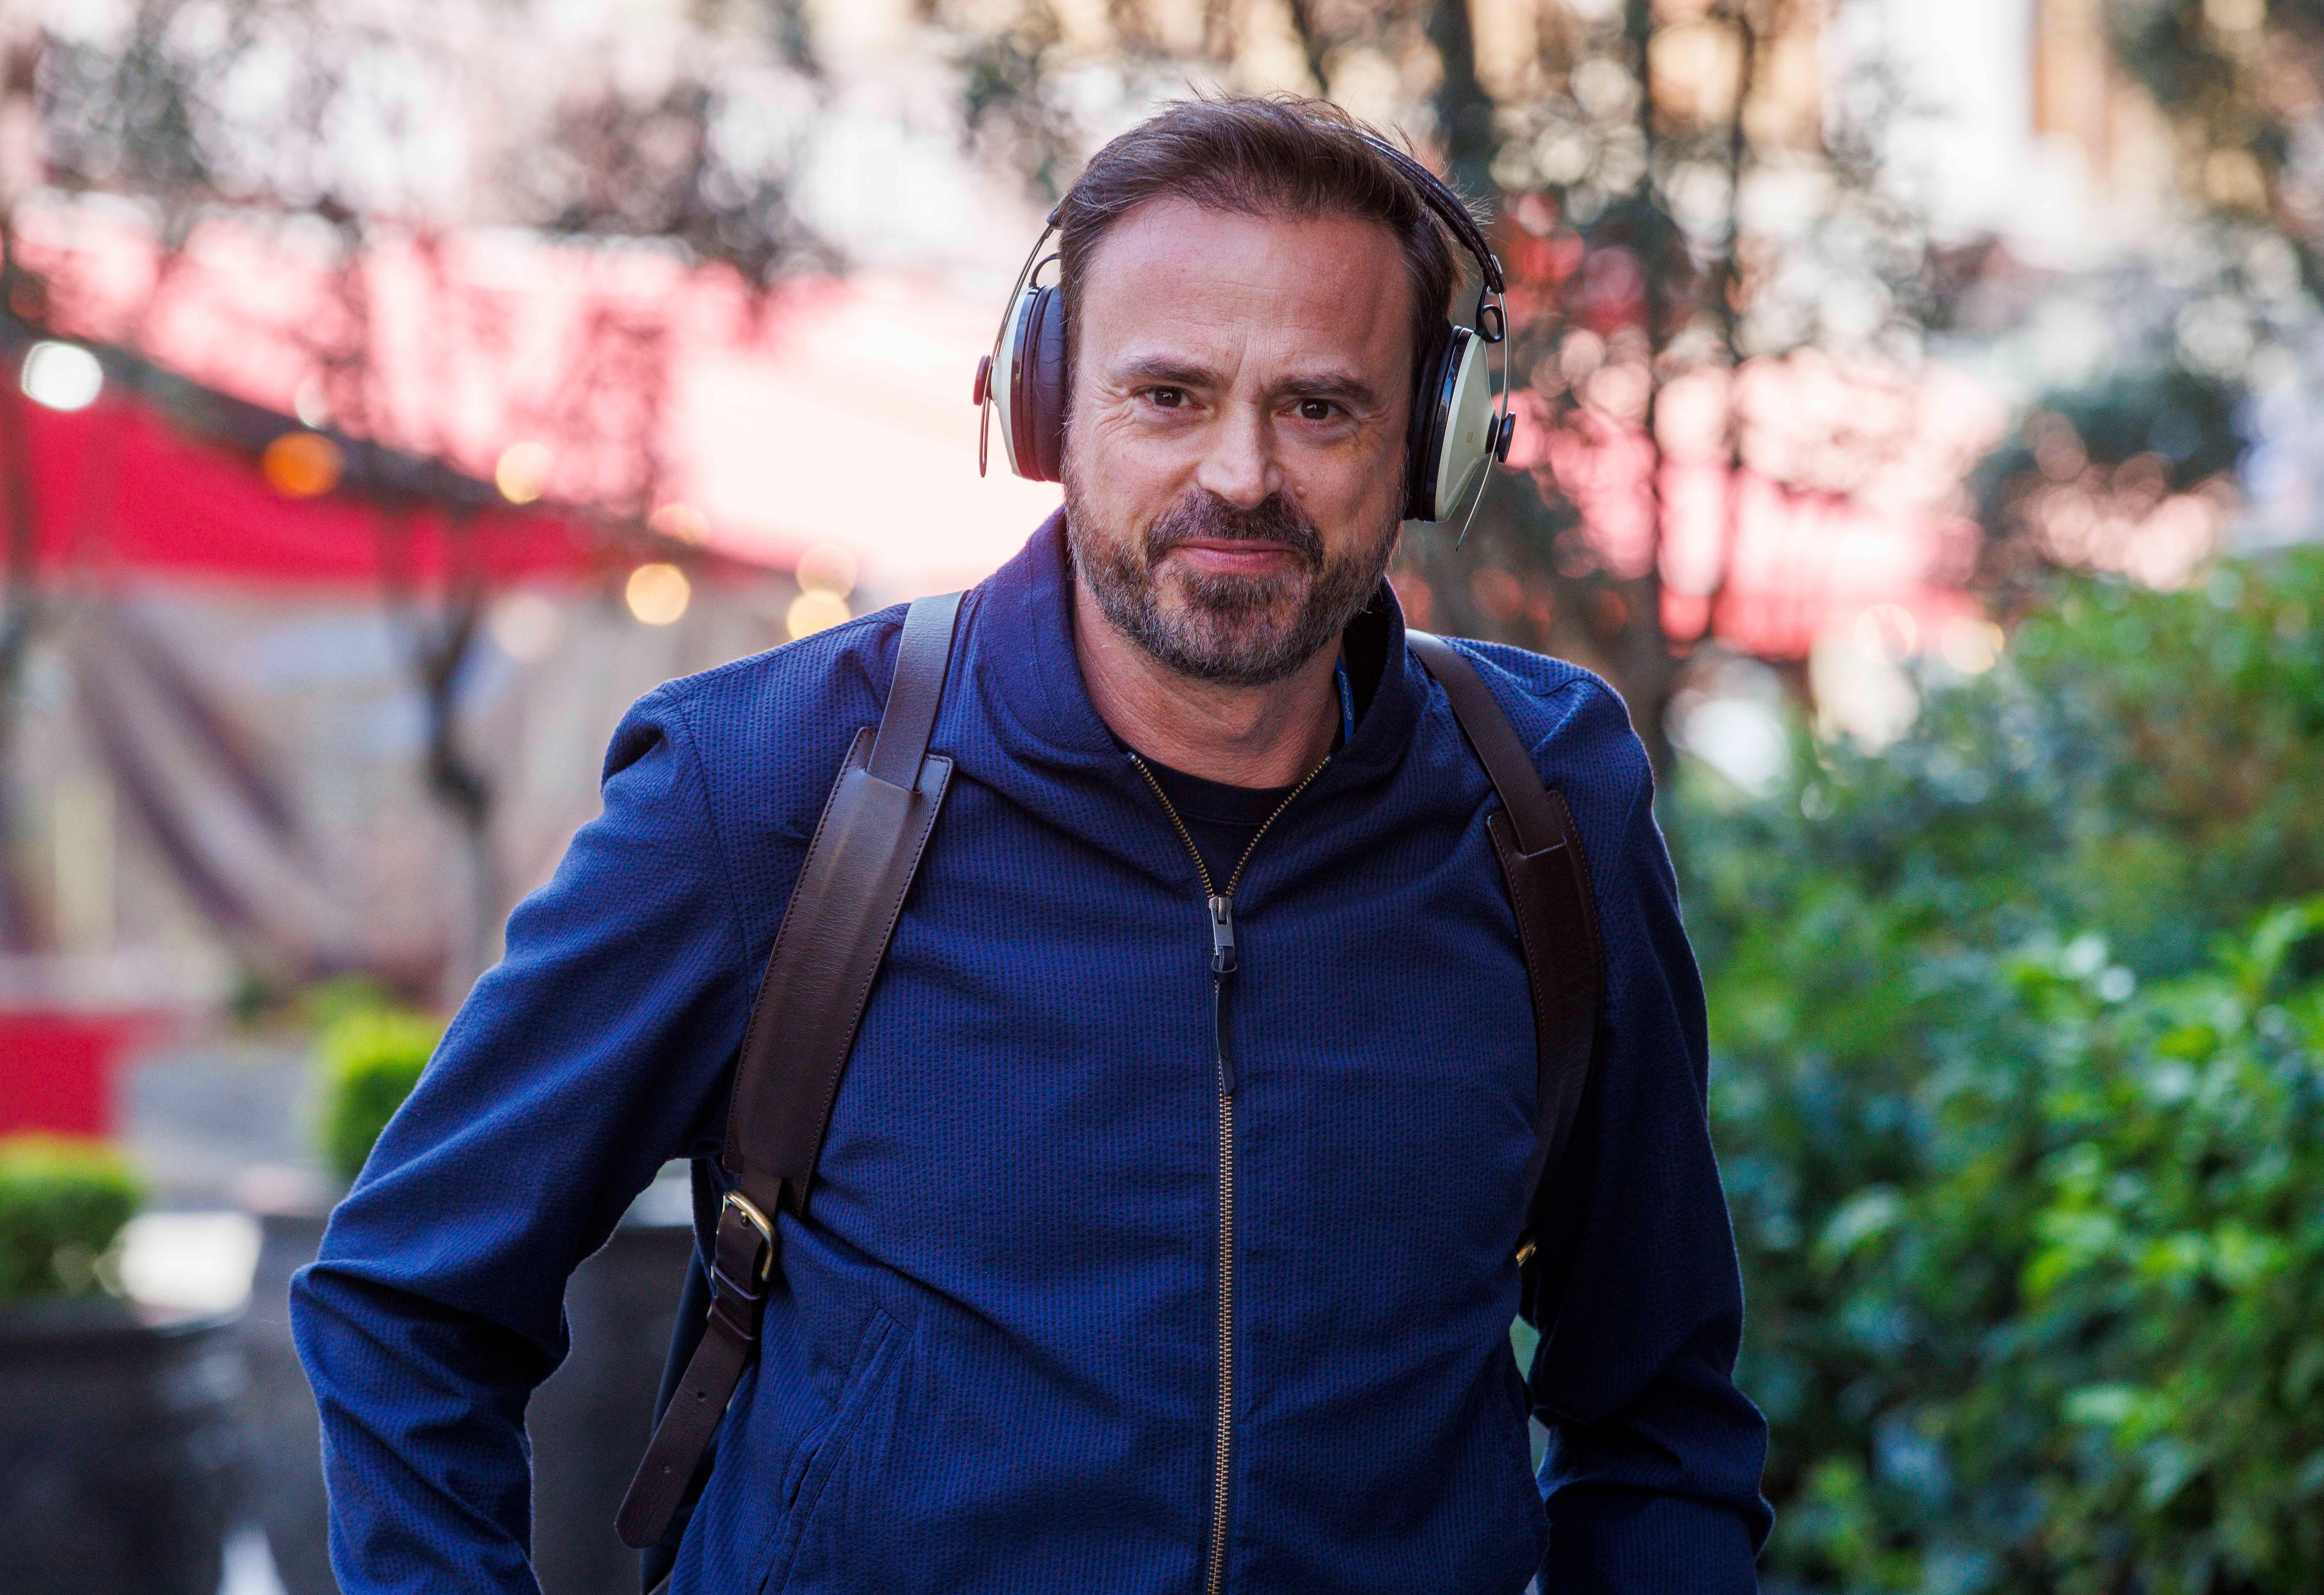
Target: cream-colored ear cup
[{"x": 1471, "y": 430}]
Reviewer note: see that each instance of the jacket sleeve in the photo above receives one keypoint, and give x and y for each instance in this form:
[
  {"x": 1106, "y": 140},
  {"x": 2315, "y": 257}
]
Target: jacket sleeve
[
  {"x": 1652, "y": 1476},
  {"x": 596, "y": 1051}
]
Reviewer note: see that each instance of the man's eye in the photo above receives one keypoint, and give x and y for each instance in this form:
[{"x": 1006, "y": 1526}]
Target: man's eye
[
  {"x": 1317, "y": 409},
  {"x": 1168, "y": 398}
]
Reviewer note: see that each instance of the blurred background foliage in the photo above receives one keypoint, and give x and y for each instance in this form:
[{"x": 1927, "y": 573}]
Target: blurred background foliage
[
  {"x": 63, "y": 1201},
  {"x": 372, "y": 1051},
  {"x": 2020, "y": 1096}
]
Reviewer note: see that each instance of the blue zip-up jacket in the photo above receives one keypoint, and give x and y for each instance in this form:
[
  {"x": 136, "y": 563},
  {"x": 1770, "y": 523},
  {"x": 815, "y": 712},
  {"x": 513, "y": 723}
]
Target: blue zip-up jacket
[{"x": 994, "y": 1357}]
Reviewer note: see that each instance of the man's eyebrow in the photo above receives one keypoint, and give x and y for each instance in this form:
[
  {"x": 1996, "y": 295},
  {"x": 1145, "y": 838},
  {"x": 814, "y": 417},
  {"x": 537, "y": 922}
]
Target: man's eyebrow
[
  {"x": 1338, "y": 385},
  {"x": 1170, "y": 371},
  {"x": 1177, "y": 371}
]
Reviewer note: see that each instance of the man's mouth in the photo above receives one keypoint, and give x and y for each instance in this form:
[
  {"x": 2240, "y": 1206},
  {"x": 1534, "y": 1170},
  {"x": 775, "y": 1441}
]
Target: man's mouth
[{"x": 1235, "y": 556}]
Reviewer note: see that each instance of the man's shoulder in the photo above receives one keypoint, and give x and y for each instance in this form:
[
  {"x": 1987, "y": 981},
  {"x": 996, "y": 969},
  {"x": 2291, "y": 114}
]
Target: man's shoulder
[
  {"x": 1574, "y": 721},
  {"x": 769, "y": 731},
  {"x": 841, "y": 669}
]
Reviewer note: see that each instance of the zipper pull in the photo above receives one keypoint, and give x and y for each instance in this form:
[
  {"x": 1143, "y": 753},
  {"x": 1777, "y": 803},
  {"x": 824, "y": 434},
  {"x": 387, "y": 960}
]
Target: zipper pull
[{"x": 1223, "y": 968}]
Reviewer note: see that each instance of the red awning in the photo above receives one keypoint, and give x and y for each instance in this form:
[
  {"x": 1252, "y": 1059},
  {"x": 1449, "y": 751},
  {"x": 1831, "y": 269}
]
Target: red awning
[{"x": 118, "y": 487}]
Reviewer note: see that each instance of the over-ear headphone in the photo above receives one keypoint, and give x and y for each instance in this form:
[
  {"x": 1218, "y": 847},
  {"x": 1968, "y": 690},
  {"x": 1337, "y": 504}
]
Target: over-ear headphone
[{"x": 1454, "y": 431}]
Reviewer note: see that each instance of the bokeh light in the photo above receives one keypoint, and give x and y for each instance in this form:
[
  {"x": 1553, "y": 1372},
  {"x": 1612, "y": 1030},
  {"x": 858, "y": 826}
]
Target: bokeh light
[
  {"x": 680, "y": 522},
  {"x": 61, "y": 376},
  {"x": 526, "y": 626},
  {"x": 1970, "y": 646},
  {"x": 813, "y": 611},
  {"x": 301, "y": 464},
  {"x": 658, "y": 593},
  {"x": 523, "y": 472},
  {"x": 828, "y": 568}
]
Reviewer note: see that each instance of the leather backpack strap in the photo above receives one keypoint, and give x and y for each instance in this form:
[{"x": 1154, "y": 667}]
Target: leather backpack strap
[
  {"x": 835, "y": 933},
  {"x": 1548, "y": 878},
  {"x": 828, "y": 952}
]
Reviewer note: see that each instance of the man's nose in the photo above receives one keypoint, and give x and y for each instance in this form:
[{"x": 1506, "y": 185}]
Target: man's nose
[{"x": 1240, "y": 467}]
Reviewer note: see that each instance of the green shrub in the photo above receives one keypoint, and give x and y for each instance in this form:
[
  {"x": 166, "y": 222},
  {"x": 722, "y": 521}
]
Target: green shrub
[
  {"x": 372, "y": 1059},
  {"x": 324, "y": 1002},
  {"x": 1983, "y": 1263},
  {"x": 62, "y": 1204},
  {"x": 2169, "y": 1326}
]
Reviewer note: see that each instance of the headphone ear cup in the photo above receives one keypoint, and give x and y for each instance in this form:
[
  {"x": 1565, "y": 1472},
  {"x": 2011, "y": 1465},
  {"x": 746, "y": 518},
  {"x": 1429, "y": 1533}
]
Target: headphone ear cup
[
  {"x": 1423, "y": 444},
  {"x": 1030, "y": 388},
  {"x": 1034, "y": 397},
  {"x": 1467, "y": 431},
  {"x": 1007, "y": 382},
  {"x": 1047, "y": 387}
]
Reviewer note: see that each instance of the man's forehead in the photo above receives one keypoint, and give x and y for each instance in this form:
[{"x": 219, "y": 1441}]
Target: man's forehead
[{"x": 1173, "y": 274}]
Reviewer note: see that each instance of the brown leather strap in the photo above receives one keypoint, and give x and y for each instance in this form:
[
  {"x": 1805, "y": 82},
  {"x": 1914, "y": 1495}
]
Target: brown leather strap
[
  {"x": 923, "y": 658},
  {"x": 827, "y": 951},
  {"x": 1548, "y": 879},
  {"x": 1506, "y": 764},
  {"x": 730, "y": 1337}
]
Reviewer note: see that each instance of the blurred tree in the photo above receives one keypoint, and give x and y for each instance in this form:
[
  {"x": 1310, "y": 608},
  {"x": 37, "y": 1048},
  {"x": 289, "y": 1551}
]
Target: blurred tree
[
  {"x": 20, "y": 600},
  {"x": 2201, "y": 413},
  {"x": 1672, "y": 197},
  {"x": 362, "y": 127},
  {"x": 2241, "y": 83}
]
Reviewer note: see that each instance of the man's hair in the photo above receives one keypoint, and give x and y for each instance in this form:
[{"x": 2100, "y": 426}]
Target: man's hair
[{"x": 1270, "y": 156}]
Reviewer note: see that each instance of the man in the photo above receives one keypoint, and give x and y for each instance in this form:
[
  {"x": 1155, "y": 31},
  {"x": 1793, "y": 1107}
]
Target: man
[{"x": 1108, "y": 1285}]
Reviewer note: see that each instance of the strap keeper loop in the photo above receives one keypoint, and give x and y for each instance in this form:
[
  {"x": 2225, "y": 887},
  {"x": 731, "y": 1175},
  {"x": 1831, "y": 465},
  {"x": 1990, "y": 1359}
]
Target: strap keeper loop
[
  {"x": 724, "y": 1287},
  {"x": 744, "y": 1325},
  {"x": 736, "y": 1211}
]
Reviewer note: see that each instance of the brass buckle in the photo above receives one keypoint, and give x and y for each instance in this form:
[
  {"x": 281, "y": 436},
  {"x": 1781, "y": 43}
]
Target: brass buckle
[
  {"x": 757, "y": 1221},
  {"x": 1525, "y": 1252}
]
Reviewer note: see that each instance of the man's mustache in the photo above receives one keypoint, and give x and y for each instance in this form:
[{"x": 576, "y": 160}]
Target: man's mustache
[{"x": 1202, "y": 515}]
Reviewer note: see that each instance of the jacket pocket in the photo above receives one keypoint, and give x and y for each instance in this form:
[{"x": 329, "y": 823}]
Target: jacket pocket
[{"x": 826, "y": 1445}]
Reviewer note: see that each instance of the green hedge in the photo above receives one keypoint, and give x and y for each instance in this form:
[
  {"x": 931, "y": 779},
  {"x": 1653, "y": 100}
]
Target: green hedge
[
  {"x": 372, "y": 1057},
  {"x": 2018, "y": 1109},
  {"x": 62, "y": 1204}
]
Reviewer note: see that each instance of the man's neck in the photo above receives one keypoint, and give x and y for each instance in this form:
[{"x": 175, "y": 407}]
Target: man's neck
[{"x": 1269, "y": 736}]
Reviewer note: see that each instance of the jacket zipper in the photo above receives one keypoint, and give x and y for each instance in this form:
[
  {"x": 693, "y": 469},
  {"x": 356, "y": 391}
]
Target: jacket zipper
[{"x": 1221, "y": 906}]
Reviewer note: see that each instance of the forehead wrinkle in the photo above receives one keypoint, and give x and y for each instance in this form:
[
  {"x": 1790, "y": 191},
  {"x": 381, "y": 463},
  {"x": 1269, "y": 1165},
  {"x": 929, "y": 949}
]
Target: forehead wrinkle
[{"x": 1161, "y": 366}]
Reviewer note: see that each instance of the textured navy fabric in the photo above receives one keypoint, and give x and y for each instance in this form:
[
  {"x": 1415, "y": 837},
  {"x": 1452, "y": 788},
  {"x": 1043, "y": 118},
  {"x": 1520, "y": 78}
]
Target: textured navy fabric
[{"x": 991, "y": 1353}]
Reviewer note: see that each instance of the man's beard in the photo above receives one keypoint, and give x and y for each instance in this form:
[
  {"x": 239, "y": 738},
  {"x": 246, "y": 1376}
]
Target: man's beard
[{"x": 1237, "y": 630}]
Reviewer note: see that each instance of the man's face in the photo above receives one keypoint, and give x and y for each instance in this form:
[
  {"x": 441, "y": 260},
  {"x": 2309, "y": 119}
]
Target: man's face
[{"x": 1233, "y": 462}]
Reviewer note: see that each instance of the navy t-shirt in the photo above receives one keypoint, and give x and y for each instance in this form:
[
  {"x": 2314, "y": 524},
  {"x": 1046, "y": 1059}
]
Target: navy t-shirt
[{"x": 1223, "y": 819}]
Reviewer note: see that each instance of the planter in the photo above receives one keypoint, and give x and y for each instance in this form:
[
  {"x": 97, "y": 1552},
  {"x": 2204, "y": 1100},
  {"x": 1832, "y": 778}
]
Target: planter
[
  {"x": 588, "y": 1424},
  {"x": 119, "y": 1440},
  {"x": 591, "y": 1421},
  {"x": 286, "y": 1437}
]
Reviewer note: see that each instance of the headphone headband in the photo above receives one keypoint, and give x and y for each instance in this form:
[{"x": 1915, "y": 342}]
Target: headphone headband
[{"x": 1438, "y": 197}]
